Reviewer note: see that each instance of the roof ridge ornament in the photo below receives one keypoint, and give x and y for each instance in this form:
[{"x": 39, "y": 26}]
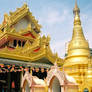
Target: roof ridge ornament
[
  {"x": 76, "y": 12},
  {"x": 76, "y": 8}
]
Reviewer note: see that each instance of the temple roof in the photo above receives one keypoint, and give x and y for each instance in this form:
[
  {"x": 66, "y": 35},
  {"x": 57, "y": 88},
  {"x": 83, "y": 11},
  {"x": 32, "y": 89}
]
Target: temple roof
[
  {"x": 39, "y": 49},
  {"x": 14, "y": 17},
  {"x": 22, "y": 26}
]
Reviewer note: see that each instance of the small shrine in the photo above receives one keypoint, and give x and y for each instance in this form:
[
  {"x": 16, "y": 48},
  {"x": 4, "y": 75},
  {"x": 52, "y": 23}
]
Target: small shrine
[
  {"x": 58, "y": 81},
  {"x": 33, "y": 84}
]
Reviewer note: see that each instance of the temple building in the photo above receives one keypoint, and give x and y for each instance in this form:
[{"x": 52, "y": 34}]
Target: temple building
[
  {"x": 23, "y": 49},
  {"x": 27, "y": 63}
]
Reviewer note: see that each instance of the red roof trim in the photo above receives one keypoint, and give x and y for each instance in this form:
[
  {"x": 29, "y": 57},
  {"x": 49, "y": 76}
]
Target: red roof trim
[
  {"x": 36, "y": 50},
  {"x": 29, "y": 34}
]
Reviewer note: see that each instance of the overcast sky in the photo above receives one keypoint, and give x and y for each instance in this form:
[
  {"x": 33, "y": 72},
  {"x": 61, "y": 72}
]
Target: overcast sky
[{"x": 56, "y": 18}]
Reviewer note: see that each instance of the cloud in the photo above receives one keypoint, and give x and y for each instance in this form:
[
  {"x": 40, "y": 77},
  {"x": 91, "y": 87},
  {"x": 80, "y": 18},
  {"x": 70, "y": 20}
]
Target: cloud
[
  {"x": 53, "y": 16},
  {"x": 59, "y": 47},
  {"x": 54, "y": 23}
]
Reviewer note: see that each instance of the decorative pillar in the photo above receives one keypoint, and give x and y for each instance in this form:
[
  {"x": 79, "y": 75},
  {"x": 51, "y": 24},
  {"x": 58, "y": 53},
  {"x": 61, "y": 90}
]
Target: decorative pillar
[
  {"x": 48, "y": 89},
  {"x": 23, "y": 90},
  {"x": 62, "y": 88},
  {"x": 21, "y": 79},
  {"x": 31, "y": 89},
  {"x": 9, "y": 81}
]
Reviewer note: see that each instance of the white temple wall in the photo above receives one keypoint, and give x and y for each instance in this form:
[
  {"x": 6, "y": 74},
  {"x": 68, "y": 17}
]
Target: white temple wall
[{"x": 22, "y": 24}]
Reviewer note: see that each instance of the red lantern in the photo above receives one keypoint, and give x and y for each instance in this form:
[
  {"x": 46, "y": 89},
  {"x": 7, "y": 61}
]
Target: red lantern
[{"x": 13, "y": 84}]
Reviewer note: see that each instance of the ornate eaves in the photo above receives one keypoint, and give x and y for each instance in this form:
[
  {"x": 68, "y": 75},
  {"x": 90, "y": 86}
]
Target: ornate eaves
[{"x": 31, "y": 52}]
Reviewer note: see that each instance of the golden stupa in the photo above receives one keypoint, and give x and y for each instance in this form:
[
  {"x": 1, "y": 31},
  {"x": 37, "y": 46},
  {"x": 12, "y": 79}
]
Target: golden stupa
[{"x": 78, "y": 55}]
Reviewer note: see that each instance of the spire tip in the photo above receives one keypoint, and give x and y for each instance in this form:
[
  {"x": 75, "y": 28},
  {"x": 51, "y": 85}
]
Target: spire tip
[{"x": 76, "y": 8}]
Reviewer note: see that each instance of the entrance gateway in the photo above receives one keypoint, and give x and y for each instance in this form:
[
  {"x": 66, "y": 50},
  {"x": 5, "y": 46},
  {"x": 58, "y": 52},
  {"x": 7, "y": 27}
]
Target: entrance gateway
[
  {"x": 58, "y": 81},
  {"x": 56, "y": 85}
]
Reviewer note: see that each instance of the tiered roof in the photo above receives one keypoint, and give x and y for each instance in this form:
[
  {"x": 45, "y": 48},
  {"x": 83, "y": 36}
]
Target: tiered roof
[{"x": 36, "y": 48}]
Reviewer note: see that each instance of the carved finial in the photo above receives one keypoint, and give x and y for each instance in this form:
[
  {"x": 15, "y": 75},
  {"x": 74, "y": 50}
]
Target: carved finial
[
  {"x": 43, "y": 39},
  {"x": 76, "y": 12},
  {"x": 55, "y": 64},
  {"x": 76, "y": 8},
  {"x": 56, "y": 55},
  {"x": 6, "y": 19},
  {"x": 48, "y": 40}
]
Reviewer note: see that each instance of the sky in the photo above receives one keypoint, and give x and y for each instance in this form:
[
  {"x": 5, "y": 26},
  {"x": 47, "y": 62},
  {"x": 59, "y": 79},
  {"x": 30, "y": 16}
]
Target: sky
[{"x": 56, "y": 18}]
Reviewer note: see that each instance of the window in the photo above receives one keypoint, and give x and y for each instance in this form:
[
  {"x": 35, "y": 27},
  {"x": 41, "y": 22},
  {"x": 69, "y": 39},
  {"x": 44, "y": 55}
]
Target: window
[
  {"x": 23, "y": 43},
  {"x": 15, "y": 43},
  {"x": 19, "y": 43}
]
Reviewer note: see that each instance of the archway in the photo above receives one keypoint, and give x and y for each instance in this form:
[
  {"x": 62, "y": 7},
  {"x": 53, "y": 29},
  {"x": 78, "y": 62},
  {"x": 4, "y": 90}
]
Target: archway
[
  {"x": 26, "y": 82},
  {"x": 55, "y": 85},
  {"x": 86, "y": 90}
]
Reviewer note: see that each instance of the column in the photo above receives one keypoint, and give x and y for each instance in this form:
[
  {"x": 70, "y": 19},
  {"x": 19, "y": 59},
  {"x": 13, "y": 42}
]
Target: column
[
  {"x": 9, "y": 82},
  {"x": 31, "y": 89},
  {"x": 62, "y": 89},
  {"x": 23, "y": 90},
  {"x": 21, "y": 77},
  {"x": 49, "y": 89}
]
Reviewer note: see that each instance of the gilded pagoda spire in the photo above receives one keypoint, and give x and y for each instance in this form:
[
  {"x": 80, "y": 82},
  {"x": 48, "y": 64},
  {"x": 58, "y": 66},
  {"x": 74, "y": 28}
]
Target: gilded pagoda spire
[
  {"x": 78, "y": 50},
  {"x": 76, "y": 12},
  {"x": 77, "y": 31},
  {"x": 78, "y": 41},
  {"x": 78, "y": 47}
]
